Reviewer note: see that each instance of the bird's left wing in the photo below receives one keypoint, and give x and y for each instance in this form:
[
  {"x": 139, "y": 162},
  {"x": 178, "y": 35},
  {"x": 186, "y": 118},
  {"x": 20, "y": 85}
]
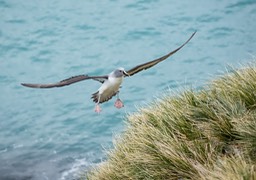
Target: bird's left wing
[
  {"x": 149, "y": 64},
  {"x": 67, "y": 81}
]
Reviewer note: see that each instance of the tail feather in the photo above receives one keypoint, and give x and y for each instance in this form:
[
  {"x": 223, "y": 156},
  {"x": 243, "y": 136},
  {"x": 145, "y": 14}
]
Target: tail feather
[
  {"x": 95, "y": 97},
  {"x": 103, "y": 97}
]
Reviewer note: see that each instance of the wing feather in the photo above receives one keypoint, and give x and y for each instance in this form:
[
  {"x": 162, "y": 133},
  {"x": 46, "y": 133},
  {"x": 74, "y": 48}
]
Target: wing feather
[
  {"x": 149, "y": 64},
  {"x": 67, "y": 81}
]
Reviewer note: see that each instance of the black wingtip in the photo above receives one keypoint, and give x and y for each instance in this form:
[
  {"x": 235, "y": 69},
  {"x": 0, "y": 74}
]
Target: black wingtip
[
  {"x": 194, "y": 33},
  {"x": 25, "y": 84},
  {"x": 29, "y": 85},
  {"x": 191, "y": 37}
]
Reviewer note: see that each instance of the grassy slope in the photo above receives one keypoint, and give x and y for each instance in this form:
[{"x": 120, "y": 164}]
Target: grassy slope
[{"x": 208, "y": 134}]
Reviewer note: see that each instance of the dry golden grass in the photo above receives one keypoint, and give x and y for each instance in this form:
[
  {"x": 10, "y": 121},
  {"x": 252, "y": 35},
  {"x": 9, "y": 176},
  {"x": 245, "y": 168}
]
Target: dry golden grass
[{"x": 207, "y": 134}]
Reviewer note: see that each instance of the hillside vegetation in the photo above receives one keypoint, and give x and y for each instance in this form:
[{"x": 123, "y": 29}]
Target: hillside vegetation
[{"x": 205, "y": 134}]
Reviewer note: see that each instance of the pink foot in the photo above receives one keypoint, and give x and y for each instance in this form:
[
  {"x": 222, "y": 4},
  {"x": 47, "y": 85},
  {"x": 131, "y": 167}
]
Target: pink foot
[
  {"x": 119, "y": 104},
  {"x": 97, "y": 108}
]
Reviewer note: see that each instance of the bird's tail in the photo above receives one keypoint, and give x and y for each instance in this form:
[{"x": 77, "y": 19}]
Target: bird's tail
[{"x": 95, "y": 97}]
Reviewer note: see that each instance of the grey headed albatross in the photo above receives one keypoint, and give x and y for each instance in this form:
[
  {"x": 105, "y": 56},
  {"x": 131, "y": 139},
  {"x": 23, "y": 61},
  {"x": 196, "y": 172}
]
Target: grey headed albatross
[{"x": 110, "y": 83}]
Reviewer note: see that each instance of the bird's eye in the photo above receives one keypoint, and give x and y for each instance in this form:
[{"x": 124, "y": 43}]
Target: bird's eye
[{"x": 120, "y": 71}]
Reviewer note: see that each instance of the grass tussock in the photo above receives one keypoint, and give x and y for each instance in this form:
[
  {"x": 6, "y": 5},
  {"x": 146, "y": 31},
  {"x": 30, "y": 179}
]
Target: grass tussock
[{"x": 208, "y": 134}]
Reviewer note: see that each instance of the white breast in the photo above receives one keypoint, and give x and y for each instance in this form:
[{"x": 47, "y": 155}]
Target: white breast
[{"x": 111, "y": 85}]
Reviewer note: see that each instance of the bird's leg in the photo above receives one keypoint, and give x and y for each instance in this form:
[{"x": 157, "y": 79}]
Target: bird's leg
[
  {"x": 118, "y": 104},
  {"x": 97, "y": 107}
]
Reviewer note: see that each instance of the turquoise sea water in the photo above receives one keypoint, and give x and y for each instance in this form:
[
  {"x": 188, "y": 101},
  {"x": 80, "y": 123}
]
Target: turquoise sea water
[{"x": 55, "y": 133}]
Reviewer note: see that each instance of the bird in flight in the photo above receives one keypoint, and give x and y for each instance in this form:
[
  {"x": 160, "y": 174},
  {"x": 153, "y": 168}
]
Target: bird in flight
[{"x": 110, "y": 83}]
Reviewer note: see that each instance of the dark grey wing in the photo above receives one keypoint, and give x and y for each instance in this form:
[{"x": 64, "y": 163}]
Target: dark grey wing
[
  {"x": 66, "y": 82},
  {"x": 149, "y": 64}
]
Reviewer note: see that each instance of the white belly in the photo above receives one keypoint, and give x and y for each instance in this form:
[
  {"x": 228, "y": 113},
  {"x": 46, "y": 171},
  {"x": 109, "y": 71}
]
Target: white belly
[{"x": 111, "y": 85}]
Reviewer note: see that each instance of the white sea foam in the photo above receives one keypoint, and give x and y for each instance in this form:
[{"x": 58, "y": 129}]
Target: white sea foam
[
  {"x": 76, "y": 169},
  {"x": 3, "y": 150},
  {"x": 15, "y": 146}
]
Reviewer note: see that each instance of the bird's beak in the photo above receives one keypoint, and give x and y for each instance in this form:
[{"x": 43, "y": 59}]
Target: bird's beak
[{"x": 125, "y": 73}]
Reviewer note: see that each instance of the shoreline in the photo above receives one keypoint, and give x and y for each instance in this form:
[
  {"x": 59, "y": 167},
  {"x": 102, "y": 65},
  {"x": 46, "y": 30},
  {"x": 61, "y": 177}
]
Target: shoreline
[{"x": 204, "y": 134}]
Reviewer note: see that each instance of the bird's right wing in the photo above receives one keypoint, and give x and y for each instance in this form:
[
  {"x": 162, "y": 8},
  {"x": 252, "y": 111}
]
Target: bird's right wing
[{"x": 67, "y": 81}]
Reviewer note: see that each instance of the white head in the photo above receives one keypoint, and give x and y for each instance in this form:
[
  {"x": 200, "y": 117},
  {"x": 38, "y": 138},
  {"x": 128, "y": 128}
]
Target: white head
[{"x": 119, "y": 72}]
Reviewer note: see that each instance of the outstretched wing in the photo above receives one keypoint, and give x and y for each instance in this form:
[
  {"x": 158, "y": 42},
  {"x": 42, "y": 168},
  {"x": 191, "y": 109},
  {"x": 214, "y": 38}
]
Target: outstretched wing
[
  {"x": 66, "y": 82},
  {"x": 149, "y": 64}
]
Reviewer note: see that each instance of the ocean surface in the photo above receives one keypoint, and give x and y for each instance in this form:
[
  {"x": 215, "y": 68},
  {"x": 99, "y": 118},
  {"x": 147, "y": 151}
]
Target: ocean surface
[{"x": 51, "y": 134}]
